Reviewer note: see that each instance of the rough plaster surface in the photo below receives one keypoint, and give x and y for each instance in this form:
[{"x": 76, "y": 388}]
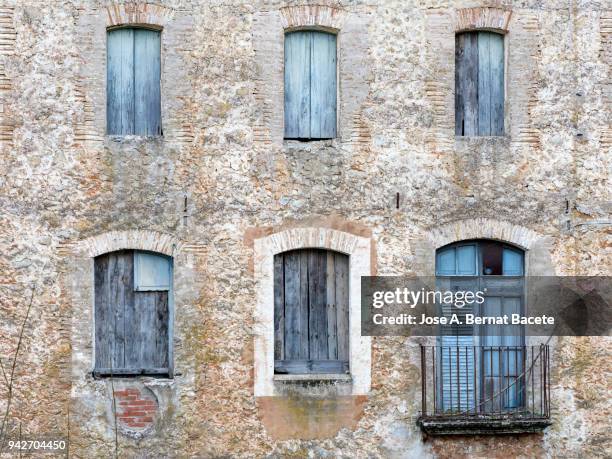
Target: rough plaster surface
[{"x": 222, "y": 176}]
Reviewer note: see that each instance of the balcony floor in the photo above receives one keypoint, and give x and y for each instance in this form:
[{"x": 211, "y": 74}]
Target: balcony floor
[{"x": 482, "y": 424}]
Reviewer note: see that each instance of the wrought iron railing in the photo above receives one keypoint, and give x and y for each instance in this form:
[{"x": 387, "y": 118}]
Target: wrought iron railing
[{"x": 490, "y": 381}]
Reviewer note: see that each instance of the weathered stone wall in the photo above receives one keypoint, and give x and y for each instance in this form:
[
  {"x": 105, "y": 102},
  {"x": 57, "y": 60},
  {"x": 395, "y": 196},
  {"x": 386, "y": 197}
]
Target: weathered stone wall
[{"x": 222, "y": 177}]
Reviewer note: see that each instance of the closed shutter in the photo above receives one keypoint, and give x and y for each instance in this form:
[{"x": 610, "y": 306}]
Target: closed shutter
[
  {"x": 311, "y": 316},
  {"x": 502, "y": 352},
  {"x": 132, "y": 326},
  {"x": 457, "y": 353},
  {"x": 479, "y": 84},
  {"x": 133, "y": 82},
  {"x": 310, "y": 85}
]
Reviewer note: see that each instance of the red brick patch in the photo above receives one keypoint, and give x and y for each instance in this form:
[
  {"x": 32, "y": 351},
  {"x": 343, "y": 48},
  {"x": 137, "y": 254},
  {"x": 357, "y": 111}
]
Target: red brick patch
[{"x": 135, "y": 409}]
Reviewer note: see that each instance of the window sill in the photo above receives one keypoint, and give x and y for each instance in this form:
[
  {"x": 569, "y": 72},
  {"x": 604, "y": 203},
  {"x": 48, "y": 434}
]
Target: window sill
[
  {"x": 313, "y": 377},
  {"x": 133, "y": 138},
  {"x": 476, "y": 137},
  {"x": 482, "y": 425},
  {"x": 307, "y": 143},
  {"x": 158, "y": 373}
]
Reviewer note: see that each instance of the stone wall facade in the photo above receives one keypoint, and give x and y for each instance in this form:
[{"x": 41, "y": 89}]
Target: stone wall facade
[{"x": 221, "y": 191}]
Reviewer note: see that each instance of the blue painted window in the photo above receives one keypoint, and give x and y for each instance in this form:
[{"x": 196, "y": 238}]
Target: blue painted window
[
  {"x": 474, "y": 360},
  {"x": 310, "y": 85},
  {"x": 133, "y": 104}
]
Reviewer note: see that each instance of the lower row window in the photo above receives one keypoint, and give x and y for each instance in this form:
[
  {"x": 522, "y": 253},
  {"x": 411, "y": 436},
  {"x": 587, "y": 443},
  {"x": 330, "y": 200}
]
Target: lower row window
[
  {"x": 133, "y": 300},
  {"x": 311, "y": 312}
]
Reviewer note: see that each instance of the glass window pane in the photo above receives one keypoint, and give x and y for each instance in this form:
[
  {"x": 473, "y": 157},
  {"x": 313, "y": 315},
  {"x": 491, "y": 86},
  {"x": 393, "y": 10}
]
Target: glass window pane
[
  {"x": 512, "y": 262},
  {"x": 445, "y": 263},
  {"x": 466, "y": 260}
]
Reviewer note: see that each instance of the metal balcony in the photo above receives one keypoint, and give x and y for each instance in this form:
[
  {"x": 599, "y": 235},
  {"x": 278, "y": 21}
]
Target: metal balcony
[{"x": 484, "y": 389}]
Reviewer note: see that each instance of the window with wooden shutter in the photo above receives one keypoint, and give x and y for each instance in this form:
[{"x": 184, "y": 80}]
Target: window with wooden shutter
[
  {"x": 310, "y": 85},
  {"x": 133, "y": 297},
  {"x": 133, "y": 82},
  {"x": 311, "y": 316},
  {"x": 481, "y": 359},
  {"x": 479, "y": 84}
]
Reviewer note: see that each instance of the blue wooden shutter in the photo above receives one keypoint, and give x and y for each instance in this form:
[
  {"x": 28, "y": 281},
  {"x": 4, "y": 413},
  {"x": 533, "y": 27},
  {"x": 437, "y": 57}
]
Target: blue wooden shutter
[
  {"x": 310, "y": 85},
  {"x": 133, "y": 82},
  {"x": 502, "y": 354},
  {"x": 323, "y": 86},
  {"x": 297, "y": 85},
  {"x": 490, "y": 84},
  {"x": 120, "y": 82},
  {"x": 146, "y": 82},
  {"x": 456, "y": 351}
]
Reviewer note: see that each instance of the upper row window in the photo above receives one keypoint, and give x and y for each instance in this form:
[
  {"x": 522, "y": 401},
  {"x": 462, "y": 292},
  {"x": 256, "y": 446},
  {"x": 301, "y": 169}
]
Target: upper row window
[
  {"x": 133, "y": 84},
  {"x": 479, "y": 84},
  {"x": 310, "y": 85},
  {"x": 132, "y": 87}
]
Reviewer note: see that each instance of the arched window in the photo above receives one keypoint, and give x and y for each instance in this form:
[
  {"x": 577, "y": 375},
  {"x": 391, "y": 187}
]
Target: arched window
[
  {"x": 479, "y": 84},
  {"x": 311, "y": 312},
  {"x": 133, "y": 82},
  {"x": 133, "y": 302},
  {"x": 480, "y": 366},
  {"x": 310, "y": 85}
]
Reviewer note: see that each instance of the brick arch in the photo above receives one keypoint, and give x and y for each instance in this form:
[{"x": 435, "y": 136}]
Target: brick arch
[
  {"x": 495, "y": 19},
  {"x": 295, "y": 17},
  {"x": 483, "y": 228},
  {"x": 136, "y": 13},
  {"x": 152, "y": 241},
  {"x": 315, "y": 238}
]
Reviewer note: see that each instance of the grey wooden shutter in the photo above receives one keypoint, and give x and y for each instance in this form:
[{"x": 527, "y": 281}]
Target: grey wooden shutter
[
  {"x": 479, "y": 84},
  {"x": 132, "y": 327},
  {"x": 311, "y": 312},
  {"x": 310, "y": 85},
  {"x": 133, "y": 82}
]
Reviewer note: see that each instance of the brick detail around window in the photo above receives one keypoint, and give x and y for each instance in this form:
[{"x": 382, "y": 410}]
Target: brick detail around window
[
  {"x": 135, "y": 410},
  {"x": 137, "y": 13},
  {"x": 483, "y": 18}
]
